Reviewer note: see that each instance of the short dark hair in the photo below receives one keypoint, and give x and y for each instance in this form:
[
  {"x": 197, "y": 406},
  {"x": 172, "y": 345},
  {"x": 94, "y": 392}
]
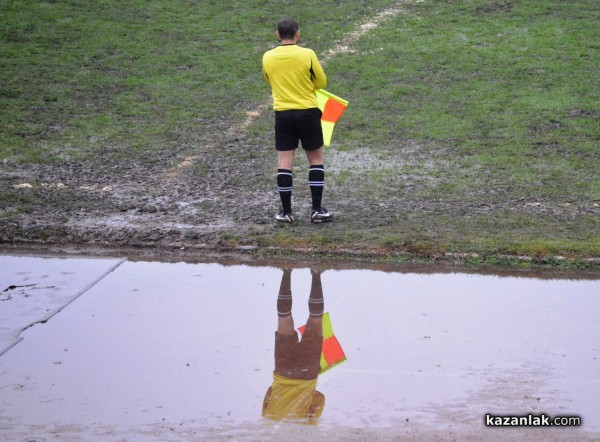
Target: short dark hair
[{"x": 287, "y": 28}]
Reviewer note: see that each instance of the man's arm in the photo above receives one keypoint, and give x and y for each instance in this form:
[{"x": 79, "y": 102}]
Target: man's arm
[
  {"x": 317, "y": 74},
  {"x": 265, "y": 75}
]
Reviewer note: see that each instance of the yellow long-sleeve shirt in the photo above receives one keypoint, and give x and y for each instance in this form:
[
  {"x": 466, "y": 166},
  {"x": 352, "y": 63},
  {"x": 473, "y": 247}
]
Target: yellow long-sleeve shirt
[{"x": 294, "y": 73}]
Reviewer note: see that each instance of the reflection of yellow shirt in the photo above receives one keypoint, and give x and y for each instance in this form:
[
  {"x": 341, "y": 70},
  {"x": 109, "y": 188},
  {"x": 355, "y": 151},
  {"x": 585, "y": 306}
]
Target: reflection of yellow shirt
[{"x": 293, "y": 399}]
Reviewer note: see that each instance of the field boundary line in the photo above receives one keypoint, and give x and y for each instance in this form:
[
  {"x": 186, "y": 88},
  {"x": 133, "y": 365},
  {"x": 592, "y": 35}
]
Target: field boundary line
[{"x": 341, "y": 46}]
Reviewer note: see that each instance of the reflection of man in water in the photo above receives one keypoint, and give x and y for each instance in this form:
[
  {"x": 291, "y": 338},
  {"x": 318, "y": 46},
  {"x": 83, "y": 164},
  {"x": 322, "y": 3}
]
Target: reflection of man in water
[{"x": 293, "y": 393}]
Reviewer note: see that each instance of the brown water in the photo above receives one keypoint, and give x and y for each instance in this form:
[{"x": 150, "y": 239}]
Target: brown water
[{"x": 184, "y": 351}]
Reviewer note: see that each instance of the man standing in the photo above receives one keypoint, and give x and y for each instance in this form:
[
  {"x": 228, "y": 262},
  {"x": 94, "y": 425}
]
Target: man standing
[{"x": 294, "y": 73}]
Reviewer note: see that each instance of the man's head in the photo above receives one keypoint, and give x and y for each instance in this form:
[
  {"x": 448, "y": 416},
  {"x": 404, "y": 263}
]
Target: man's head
[{"x": 287, "y": 29}]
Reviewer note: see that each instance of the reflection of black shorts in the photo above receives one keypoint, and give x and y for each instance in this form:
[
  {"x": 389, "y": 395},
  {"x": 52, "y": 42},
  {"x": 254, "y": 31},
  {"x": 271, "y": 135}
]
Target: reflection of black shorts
[
  {"x": 303, "y": 125},
  {"x": 299, "y": 360}
]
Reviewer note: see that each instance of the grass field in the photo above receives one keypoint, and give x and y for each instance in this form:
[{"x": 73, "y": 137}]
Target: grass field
[{"x": 473, "y": 126}]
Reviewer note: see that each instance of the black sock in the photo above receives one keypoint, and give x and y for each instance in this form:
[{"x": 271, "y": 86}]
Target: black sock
[
  {"x": 316, "y": 181},
  {"x": 284, "y": 186}
]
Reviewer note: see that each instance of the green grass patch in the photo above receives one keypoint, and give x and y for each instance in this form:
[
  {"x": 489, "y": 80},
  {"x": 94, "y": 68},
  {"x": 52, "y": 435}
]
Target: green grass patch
[
  {"x": 480, "y": 118},
  {"x": 511, "y": 87},
  {"x": 76, "y": 77}
]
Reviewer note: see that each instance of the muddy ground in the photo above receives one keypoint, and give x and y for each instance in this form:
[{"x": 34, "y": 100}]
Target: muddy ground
[
  {"x": 212, "y": 189},
  {"x": 217, "y": 192}
]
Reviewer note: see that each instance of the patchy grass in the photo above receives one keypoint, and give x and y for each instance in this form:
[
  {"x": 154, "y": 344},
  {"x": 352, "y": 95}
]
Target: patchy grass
[
  {"x": 511, "y": 90},
  {"x": 472, "y": 126},
  {"x": 79, "y": 78}
]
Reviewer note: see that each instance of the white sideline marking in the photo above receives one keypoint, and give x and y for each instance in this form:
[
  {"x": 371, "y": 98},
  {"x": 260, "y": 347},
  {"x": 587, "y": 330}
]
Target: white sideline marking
[{"x": 342, "y": 46}]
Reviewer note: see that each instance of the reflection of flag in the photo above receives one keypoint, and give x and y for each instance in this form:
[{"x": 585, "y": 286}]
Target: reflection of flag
[
  {"x": 332, "y": 353},
  {"x": 332, "y": 107}
]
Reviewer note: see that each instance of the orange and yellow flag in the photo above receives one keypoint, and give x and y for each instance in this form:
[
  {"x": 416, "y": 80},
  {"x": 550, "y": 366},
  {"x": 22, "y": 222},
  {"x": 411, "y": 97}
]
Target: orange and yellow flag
[
  {"x": 332, "y": 108},
  {"x": 332, "y": 353}
]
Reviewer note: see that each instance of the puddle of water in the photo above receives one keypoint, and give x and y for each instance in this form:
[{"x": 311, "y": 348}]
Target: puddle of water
[
  {"x": 33, "y": 289},
  {"x": 177, "y": 351}
]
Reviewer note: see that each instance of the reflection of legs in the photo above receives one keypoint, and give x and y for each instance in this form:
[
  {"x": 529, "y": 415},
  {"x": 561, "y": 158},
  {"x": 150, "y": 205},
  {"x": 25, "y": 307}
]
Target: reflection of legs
[
  {"x": 316, "y": 304},
  {"x": 293, "y": 359},
  {"x": 285, "y": 324},
  {"x": 312, "y": 339}
]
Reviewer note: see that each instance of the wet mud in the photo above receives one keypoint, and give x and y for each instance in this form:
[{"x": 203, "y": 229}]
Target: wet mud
[{"x": 199, "y": 198}]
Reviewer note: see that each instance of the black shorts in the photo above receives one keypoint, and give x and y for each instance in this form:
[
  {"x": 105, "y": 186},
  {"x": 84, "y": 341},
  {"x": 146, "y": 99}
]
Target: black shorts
[{"x": 303, "y": 125}]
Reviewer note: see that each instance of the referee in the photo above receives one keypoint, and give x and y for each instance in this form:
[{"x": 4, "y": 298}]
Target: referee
[{"x": 294, "y": 73}]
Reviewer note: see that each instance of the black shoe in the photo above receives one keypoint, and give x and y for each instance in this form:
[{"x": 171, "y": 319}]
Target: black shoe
[
  {"x": 284, "y": 217},
  {"x": 321, "y": 215}
]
